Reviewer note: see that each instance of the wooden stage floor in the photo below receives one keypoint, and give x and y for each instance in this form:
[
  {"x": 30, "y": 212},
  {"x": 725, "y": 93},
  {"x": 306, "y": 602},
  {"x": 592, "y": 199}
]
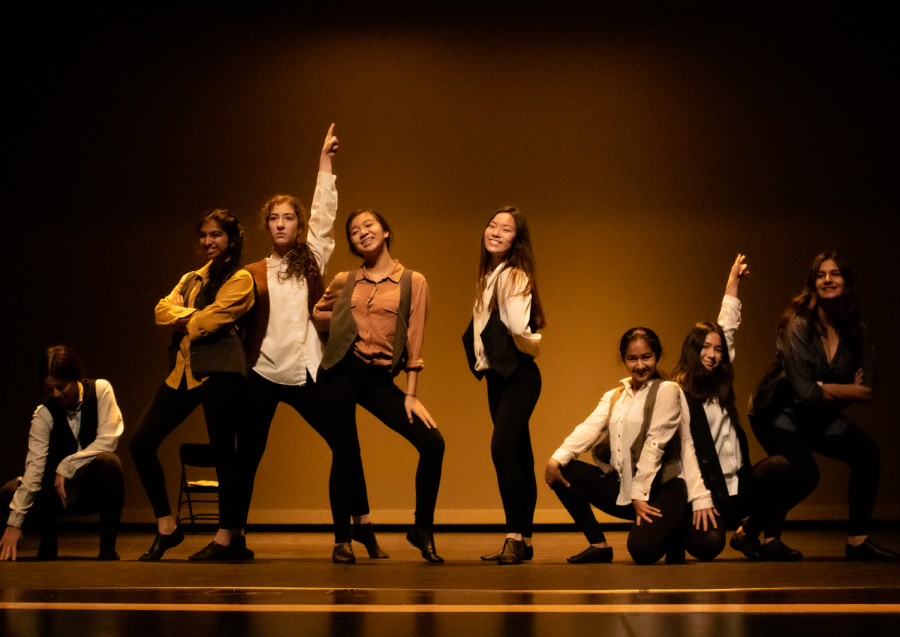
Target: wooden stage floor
[{"x": 293, "y": 588}]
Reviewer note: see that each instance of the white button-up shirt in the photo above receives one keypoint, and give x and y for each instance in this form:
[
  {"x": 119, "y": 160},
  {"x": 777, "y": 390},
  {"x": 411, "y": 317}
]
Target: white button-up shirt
[
  {"x": 109, "y": 429},
  {"x": 292, "y": 345},
  {"x": 515, "y": 313}
]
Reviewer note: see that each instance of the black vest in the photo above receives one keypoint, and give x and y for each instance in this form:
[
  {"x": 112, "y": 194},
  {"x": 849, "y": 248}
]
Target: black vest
[
  {"x": 708, "y": 459},
  {"x": 221, "y": 351},
  {"x": 62, "y": 441},
  {"x": 343, "y": 330},
  {"x": 499, "y": 346}
]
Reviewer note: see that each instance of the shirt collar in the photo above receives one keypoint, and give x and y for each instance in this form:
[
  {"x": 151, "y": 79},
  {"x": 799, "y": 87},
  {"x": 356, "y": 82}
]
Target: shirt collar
[
  {"x": 72, "y": 412},
  {"x": 394, "y": 275},
  {"x": 628, "y": 387}
]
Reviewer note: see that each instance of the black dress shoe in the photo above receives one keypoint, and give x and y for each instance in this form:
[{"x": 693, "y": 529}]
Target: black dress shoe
[
  {"x": 868, "y": 551},
  {"x": 238, "y": 549},
  {"x": 776, "y": 551},
  {"x": 513, "y": 552},
  {"x": 424, "y": 541},
  {"x": 593, "y": 554},
  {"x": 365, "y": 535},
  {"x": 161, "y": 544},
  {"x": 493, "y": 557},
  {"x": 108, "y": 555},
  {"x": 749, "y": 546},
  {"x": 343, "y": 553}
]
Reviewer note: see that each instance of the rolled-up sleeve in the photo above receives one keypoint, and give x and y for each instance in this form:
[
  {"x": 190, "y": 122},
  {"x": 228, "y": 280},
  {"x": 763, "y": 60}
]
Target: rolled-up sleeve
[
  {"x": 664, "y": 423},
  {"x": 586, "y": 434},
  {"x": 799, "y": 357}
]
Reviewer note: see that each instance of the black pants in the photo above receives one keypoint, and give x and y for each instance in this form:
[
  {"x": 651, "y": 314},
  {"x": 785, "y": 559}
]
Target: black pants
[
  {"x": 647, "y": 543},
  {"x": 352, "y": 382},
  {"x": 512, "y": 401},
  {"x": 854, "y": 448},
  {"x": 346, "y": 483},
  {"x": 97, "y": 487},
  {"x": 763, "y": 495},
  {"x": 222, "y": 396}
]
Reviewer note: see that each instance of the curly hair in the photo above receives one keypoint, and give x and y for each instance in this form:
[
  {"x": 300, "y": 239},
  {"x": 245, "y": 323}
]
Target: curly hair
[
  {"x": 62, "y": 362},
  {"x": 806, "y": 303},
  {"x": 520, "y": 260},
  {"x": 300, "y": 262},
  {"x": 700, "y": 383},
  {"x": 231, "y": 226}
]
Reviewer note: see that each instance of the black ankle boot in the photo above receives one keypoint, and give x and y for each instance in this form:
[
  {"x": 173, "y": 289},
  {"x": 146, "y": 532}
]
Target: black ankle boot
[
  {"x": 424, "y": 541},
  {"x": 365, "y": 535}
]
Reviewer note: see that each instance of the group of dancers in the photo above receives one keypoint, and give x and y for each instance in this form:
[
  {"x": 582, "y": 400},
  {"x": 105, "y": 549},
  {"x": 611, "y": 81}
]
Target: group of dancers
[{"x": 671, "y": 455}]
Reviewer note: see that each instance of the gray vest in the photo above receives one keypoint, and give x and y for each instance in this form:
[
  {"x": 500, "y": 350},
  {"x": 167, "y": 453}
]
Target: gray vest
[
  {"x": 343, "y": 331},
  {"x": 671, "y": 460}
]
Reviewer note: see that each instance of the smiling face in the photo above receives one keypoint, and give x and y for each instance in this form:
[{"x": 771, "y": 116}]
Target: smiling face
[
  {"x": 64, "y": 391},
  {"x": 711, "y": 353},
  {"x": 499, "y": 236},
  {"x": 829, "y": 281},
  {"x": 640, "y": 361},
  {"x": 214, "y": 241},
  {"x": 367, "y": 235}
]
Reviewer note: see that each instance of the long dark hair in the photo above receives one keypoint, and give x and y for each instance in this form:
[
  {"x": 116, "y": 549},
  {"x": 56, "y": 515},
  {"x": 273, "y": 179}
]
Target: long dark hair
[
  {"x": 235, "y": 232},
  {"x": 648, "y": 336},
  {"x": 700, "y": 383},
  {"x": 62, "y": 362},
  {"x": 381, "y": 221},
  {"x": 520, "y": 261},
  {"x": 805, "y": 305},
  {"x": 299, "y": 262}
]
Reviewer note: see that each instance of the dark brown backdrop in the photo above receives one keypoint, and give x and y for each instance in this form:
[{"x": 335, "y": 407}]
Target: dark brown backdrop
[{"x": 648, "y": 149}]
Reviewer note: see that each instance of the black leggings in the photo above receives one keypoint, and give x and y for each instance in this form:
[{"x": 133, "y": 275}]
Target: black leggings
[
  {"x": 222, "y": 396},
  {"x": 854, "y": 448},
  {"x": 512, "y": 401},
  {"x": 97, "y": 487},
  {"x": 647, "y": 543},
  {"x": 352, "y": 382},
  {"x": 763, "y": 496},
  {"x": 346, "y": 483}
]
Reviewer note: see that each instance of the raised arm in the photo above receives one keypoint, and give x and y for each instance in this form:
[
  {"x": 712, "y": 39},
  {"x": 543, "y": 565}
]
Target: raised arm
[
  {"x": 730, "y": 313},
  {"x": 329, "y": 150},
  {"x": 324, "y": 205}
]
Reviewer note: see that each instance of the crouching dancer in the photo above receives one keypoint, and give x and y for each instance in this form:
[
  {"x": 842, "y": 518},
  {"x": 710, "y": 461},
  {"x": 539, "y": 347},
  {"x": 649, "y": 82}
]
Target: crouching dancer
[{"x": 70, "y": 468}]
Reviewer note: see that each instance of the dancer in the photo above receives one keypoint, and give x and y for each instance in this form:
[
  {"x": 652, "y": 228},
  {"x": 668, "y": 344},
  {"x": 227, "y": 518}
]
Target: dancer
[
  {"x": 636, "y": 434},
  {"x": 208, "y": 367},
  {"x": 824, "y": 362},
  {"x": 284, "y": 350},
  {"x": 375, "y": 317},
  {"x": 501, "y": 344},
  {"x": 71, "y": 467},
  {"x": 738, "y": 489}
]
